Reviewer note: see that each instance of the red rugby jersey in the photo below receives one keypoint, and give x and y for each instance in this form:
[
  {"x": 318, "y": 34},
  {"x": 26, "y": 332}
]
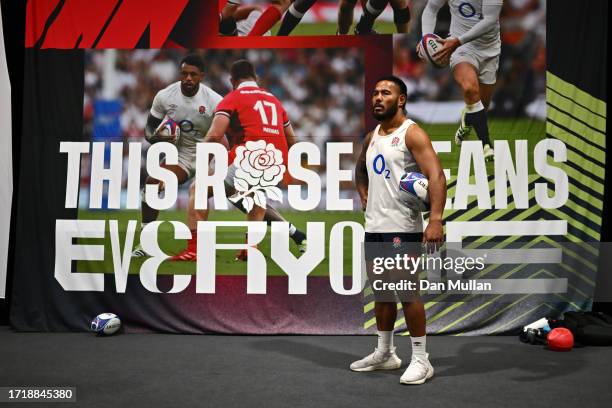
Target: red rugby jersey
[{"x": 255, "y": 114}]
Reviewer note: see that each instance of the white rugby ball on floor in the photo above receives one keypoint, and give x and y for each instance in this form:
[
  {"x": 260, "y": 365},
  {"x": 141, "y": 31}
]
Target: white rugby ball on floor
[
  {"x": 430, "y": 44},
  {"x": 106, "y": 324}
]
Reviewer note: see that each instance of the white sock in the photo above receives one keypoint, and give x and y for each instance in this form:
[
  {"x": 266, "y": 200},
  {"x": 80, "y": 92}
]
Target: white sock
[
  {"x": 294, "y": 12},
  {"x": 419, "y": 346},
  {"x": 385, "y": 340},
  {"x": 292, "y": 230},
  {"x": 143, "y": 225},
  {"x": 475, "y": 107},
  {"x": 373, "y": 10}
]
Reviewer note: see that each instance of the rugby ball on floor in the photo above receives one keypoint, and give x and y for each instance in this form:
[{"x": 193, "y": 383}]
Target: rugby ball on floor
[
  {"x": 430, "y": 44},
  {"x": 105, "y": 324},
  {"x": 169, "y": 130},
  {"x": 414, "y": 193}
]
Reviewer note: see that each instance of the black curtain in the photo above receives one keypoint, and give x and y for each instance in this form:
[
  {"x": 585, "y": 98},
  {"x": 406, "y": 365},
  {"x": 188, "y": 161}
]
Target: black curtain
[
  {"x": 13, "y": 23},
  {"x": 580, "y": 56}
]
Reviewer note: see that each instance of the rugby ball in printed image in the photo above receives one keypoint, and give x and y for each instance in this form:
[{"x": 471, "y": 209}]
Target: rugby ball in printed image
[
  {"x": 430, "y": 44},
  {"x": 414, "y": 193},
  {"x": 169, "y": 130},
  {"x": 105, "y": 324}
]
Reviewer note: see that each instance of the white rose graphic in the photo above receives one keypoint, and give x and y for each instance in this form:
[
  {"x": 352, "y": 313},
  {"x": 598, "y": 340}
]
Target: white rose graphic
[
  {"x": 259, "y": 168},
  {"x": 259, "y": 163}
]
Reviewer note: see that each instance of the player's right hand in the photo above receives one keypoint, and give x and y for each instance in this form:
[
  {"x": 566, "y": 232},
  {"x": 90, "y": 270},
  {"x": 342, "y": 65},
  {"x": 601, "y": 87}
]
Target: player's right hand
[
  {"x": 449, "y": 45},
  {"x": 364, "y": 202},
  {"x": 163, "y": 134},
  {"x": 433, "y": 236},
  {"x": 155, "y": 136}
]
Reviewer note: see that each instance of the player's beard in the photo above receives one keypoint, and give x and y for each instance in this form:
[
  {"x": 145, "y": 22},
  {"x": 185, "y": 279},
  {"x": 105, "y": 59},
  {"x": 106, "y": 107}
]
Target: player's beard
[
  {"x": 189, "y": 90},
  {"x": 386, "y": 113}
]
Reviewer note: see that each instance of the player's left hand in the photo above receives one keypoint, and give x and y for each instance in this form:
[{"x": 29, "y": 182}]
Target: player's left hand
[
  {"x": 433, "y": 236},
  {"x": 419, "y": 51},
  {"x": 449, "y": 45}
]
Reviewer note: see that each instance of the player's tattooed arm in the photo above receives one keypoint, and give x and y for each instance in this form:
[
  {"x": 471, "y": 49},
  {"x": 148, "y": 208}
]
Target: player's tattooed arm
[
  {"x": 361, "y": 172},
  {"x": 150, "y": 130},
  {"x": 218, "y": 128},
  {"x": 421, "y": 148}
]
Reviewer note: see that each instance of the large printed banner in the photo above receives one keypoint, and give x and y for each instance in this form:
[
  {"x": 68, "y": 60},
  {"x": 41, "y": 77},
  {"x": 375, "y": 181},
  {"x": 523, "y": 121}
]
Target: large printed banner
[{"x": 195, "y": 182}]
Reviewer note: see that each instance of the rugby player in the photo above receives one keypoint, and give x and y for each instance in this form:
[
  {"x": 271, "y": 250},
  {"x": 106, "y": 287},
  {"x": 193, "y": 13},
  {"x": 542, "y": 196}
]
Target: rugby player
[
  {"x": 249, "y": 113},
  {"x": 397, "y": 146},
  {"x": 192, "y": 105},
  {"x": 473, "y": 47}
]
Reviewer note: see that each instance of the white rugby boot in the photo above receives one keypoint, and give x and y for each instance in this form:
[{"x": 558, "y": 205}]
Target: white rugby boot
[
  {"x": 303, "y": 246},
  {"x": 138, "y": 252},
  {"x": 419, "y": 371},
  {"x": 378, "y": 360},
  {"x": 489, "y": 153},
  {"x": 463, "y": 132}
]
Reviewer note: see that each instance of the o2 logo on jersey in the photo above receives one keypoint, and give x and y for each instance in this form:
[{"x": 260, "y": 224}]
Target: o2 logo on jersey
[
  {"x": 467, "y": 10},
  {"x": 186, "y": 125},
  {"x": 380, "y": 166}
]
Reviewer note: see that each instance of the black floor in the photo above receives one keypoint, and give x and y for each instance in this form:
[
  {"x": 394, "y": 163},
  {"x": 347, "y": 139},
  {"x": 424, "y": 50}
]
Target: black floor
[{"x": 242, "y": 371}]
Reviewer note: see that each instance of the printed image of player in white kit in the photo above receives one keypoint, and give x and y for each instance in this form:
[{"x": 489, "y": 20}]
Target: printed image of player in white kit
[
  {"x": 191, "y": 105},
  {"x": 474, "y": 46}
]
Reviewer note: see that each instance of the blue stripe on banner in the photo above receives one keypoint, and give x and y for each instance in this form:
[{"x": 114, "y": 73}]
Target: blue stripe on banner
[{"x": 6, "y": 163}]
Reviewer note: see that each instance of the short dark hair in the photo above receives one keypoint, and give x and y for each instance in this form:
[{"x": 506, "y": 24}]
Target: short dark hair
[
  {"x": 195, "y": 60},
  {"x": 242, "y": 69},
  {"x": 397, "y": 81}
]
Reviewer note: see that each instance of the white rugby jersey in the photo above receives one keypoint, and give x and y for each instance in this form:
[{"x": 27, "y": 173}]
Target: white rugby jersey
[
  {"x": 388, "y": 159},
  {"x": 194, "y": 114},
  {"x": 465, "y": 15}
]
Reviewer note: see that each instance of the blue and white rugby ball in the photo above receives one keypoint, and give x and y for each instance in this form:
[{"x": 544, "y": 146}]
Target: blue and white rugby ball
[
  {"x": 413, "y": 188},
  {"x": 105, "y": 324}
]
